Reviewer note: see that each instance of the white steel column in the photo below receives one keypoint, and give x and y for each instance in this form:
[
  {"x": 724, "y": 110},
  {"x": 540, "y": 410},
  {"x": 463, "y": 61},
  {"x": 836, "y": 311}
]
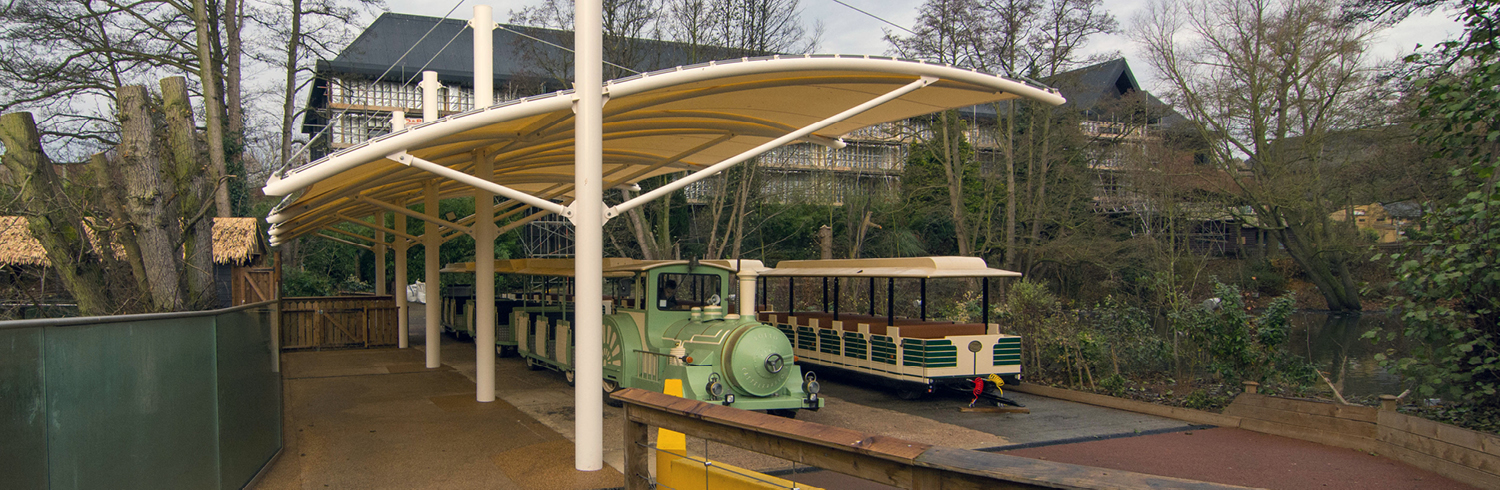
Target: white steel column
[
  {"x": 588, "y": 221},
  {"x": 403, "y": 310},
  {"x": 484, "y": 59},
  {"x": 484, "y": 282},
  {"x": 484, "y": 215},
  {"x": 429, "y": 96},
  {"x": 432, "y": 238},
  {"x": 398, "y": 123}
]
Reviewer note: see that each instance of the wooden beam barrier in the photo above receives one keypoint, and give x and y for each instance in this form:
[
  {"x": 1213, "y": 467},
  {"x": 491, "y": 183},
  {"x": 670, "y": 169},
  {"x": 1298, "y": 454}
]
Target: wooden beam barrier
[{"x": 881, "y": 459}]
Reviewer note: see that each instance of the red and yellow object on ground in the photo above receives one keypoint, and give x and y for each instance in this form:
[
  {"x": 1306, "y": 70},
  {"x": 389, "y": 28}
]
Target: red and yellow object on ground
[{"x": 675, "y": 469}]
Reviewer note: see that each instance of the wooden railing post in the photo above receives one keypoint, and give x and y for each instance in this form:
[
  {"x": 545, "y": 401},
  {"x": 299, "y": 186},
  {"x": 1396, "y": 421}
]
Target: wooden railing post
[{"x": 637, "y": 453}]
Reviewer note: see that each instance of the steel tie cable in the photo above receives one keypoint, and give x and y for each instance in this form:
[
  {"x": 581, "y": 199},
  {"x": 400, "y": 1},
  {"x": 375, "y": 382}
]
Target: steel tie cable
[{"x": 382, "y": 75}]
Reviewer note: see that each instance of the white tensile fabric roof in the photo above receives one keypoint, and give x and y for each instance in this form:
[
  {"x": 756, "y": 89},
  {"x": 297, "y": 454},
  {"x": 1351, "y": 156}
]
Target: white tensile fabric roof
[{"x": 686, "y": 118}]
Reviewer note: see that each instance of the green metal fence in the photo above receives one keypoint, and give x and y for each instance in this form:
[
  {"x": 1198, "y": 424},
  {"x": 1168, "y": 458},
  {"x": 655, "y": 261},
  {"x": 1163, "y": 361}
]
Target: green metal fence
[{"x": 177, "y": 400}]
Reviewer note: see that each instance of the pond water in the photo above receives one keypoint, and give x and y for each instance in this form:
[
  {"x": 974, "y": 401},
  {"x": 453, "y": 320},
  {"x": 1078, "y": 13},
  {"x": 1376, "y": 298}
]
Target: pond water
[{"x": 1332, "y": 341}]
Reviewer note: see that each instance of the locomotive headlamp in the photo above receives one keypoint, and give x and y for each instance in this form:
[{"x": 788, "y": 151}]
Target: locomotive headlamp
[
  {"x": 729, "y": 399},
  {"x": 775, "y": 363},
  {"x": 810, "y": 385},
  {"x": 716, "y": 389}
]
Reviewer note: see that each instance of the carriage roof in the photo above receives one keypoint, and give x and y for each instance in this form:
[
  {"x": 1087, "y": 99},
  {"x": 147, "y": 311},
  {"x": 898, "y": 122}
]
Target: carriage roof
[
  {"x": 734, "y": 265},
  {"x": 538, "y": 267},
  {"x": 918, "y": 267}
]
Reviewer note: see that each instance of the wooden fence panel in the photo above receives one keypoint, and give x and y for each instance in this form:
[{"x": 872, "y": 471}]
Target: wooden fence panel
[{"x": 338, "y": 322}]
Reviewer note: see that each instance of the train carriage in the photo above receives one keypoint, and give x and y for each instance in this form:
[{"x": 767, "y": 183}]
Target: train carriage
[
  {"x": 551, "y": 283},
  {"x": 910, "y": 355}
]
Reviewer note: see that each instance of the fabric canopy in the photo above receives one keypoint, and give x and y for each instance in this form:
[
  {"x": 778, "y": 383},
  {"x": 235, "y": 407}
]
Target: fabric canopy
[{"x": 668, "y": 121}]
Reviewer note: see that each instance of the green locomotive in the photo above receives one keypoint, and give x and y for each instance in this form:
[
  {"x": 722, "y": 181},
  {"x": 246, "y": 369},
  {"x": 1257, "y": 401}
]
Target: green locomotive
[{"x": 664, "y": 320}]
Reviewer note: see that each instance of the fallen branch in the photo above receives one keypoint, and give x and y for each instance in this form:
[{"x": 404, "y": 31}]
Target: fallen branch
[{"x": 1336, "y": 393}]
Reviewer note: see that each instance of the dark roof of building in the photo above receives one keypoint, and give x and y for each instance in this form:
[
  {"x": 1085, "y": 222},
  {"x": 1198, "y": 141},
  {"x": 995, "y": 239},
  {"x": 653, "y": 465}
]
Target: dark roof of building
[
  {"x": 519, "y": 52},
  {"x": 1095, "y": 90},
  {"x": 1404, "y": 209},
  {"x": 449, "y": 50},
  {"x": 1101, "y": 91}
]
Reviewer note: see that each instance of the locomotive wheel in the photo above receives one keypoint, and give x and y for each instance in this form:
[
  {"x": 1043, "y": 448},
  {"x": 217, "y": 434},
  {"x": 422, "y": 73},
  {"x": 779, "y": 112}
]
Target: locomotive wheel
[
  {"x": 533, "y": 365},
  {"x": 571, "y": 376}
]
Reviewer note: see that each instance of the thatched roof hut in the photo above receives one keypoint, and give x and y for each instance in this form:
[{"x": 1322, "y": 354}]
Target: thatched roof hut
[
  {"x": 236, "y": 242},
  {"x": 17, "y": 247}
]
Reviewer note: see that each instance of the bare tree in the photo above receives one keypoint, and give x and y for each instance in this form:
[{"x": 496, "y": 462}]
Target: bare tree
[
  {"x": 1037, "y": 38},
  {"x": 1266, "y": 82}
]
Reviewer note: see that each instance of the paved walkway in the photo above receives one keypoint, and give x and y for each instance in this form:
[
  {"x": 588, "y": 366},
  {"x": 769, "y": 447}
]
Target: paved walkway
[{"x": 379, "y": 419}]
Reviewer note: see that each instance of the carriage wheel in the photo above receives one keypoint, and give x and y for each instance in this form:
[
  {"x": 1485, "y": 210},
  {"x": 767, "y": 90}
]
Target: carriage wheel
[
  {"x": 610, "y": 386},
  {"x": 906, "y": 394}
]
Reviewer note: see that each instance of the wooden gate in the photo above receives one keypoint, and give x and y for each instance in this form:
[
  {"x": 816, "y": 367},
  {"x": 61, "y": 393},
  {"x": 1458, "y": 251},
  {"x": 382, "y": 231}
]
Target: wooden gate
[
  {"x": 253, "y": 285},
  {"x": 338, "y": 321}
]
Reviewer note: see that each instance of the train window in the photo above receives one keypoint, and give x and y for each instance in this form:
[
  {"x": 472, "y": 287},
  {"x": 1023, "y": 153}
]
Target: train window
[
  {"x": 684, "y": 291},
  {"x": 623, "y": 291}
]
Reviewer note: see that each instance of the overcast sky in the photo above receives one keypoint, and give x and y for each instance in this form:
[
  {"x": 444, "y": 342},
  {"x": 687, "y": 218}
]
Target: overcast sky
[{"x": 847, "y": 31}]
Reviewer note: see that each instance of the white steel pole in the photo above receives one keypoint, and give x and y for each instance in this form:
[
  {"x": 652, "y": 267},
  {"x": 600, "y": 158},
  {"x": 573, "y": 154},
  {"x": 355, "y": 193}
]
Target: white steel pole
[
  {"x": 588, "y": 220},
  {"x": 484, "y": 215},
  {"x": 403, "y": 310},
  {"x": 484, "y": 59},
  {"x": 398, "y": 121},
  {"x": 432, "y": 239},
  {"x": 429, "y": 96},
  {"x": 484, "y": 281}
]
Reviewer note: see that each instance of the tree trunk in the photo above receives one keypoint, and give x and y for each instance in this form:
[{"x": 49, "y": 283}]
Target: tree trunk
[
  {"x": 1329, "y": 274},
  {"x": 213, "y": 108},
  {"x": 741, "y": 203},
  {"x": 289, "y": 93},
  {"x": 108, "y": 181},
  {"x": 954, "y": 171},
  {"x": 57, "y": 226},
  {"x": 146, "y": 196},
  {"x": 1010, "y": 185},
  {"x": 233, "y": 18},
  {"x": 664, "y": 224},
  {"x": 190, "y": 182},
  {"x": 1041, "y": 178},
  {"x": 642, "y": 232}
]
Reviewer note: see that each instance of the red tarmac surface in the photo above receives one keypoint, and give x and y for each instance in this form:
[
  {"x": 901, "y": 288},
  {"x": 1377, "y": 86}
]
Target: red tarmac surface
[{"x": 1242, "y": 457}]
